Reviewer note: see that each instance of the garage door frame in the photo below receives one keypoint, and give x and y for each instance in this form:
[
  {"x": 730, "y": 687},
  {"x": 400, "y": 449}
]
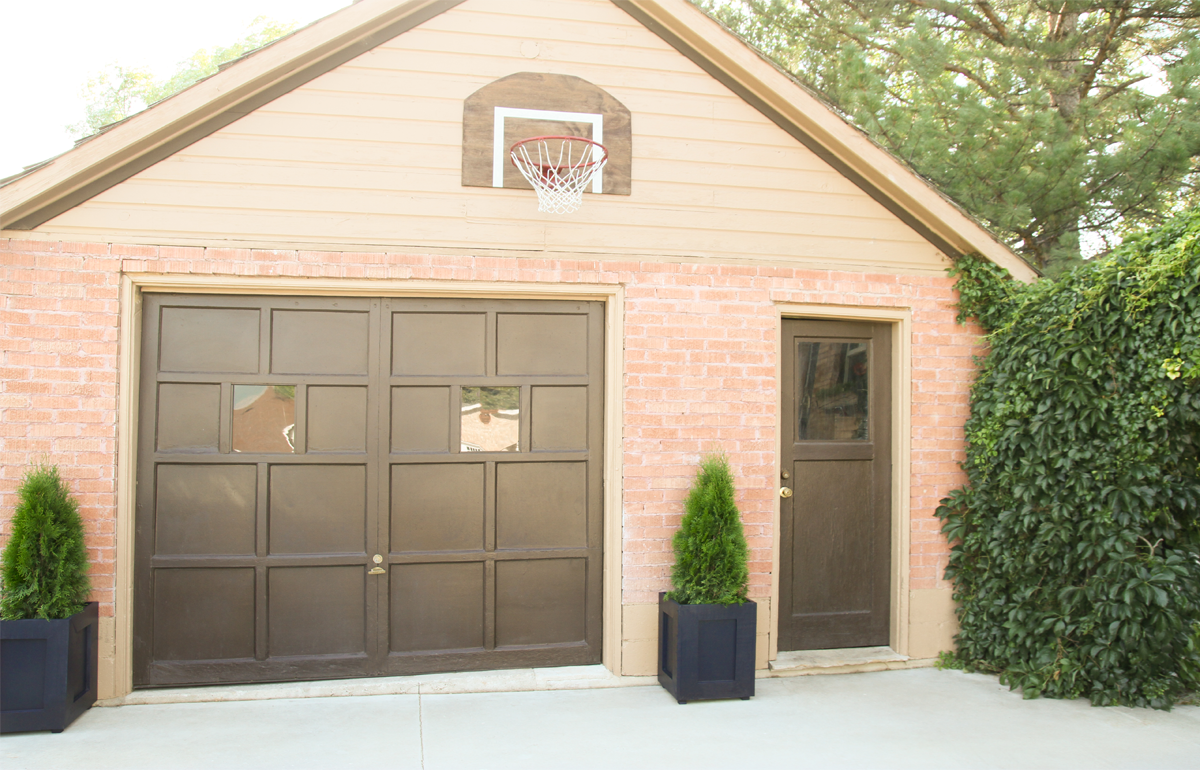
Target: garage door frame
[{"x": 134, "y": 285}]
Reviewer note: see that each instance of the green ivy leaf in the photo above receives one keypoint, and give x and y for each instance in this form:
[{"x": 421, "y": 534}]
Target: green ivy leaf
[{"x": 1076, "y": 542}]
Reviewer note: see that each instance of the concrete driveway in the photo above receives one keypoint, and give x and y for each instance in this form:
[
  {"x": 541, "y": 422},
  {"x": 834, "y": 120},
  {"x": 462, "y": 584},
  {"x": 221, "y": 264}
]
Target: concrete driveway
[{"x": 921, "y": 718}]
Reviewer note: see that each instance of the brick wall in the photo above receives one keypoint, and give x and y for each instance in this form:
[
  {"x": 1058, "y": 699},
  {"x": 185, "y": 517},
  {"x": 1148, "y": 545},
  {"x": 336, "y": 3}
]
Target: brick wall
[
  {"x": 699, "y": 374},
  {"x": 58, "y": 383}
]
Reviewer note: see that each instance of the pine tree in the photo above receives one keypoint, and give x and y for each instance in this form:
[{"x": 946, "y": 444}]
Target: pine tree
[
  {"x": 710, "y": 547},
  {"x": 44, "y": 574},
  {"x": 1046, "y": 121}
]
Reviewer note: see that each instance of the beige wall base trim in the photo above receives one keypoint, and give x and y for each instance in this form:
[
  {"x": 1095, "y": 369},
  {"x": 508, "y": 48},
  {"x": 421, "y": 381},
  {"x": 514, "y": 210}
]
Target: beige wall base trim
[
  {"x": 639, "y": 644},
  {"x": 513, "y": 680},
  {"x": 934, "y": 622}
]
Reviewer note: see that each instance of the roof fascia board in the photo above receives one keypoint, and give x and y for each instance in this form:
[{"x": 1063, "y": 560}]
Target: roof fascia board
[
  {"x": 741, "y": 69},
  {"x": 154, "y": 134}
]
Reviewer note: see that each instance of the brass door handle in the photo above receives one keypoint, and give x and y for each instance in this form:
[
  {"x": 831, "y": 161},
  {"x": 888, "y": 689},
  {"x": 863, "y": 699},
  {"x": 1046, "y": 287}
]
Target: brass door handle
[
  {"x": 785, "y": 492},
  {"x": 376, "y": 571}
]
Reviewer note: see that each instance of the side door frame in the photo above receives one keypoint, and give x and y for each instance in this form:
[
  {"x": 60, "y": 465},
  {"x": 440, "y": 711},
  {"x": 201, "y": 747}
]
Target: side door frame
[{"x": 901, "y": 620}]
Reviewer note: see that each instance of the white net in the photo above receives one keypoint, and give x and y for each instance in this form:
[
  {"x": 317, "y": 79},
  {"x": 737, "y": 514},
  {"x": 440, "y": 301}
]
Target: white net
[{"x": 560, "y": 168}]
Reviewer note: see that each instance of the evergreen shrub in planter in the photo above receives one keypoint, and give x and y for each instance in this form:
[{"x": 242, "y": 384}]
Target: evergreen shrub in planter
[
  {"x": 707, "y": 624},
  {"x": 47, "y": 631}
]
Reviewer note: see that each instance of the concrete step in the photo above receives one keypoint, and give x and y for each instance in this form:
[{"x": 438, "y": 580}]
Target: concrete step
[{"x": 844, "y": 660}]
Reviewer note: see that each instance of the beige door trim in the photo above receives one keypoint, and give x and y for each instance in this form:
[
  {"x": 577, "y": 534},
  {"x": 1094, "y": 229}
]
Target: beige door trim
[
  {"x": 901, "y": 320},
  {"x": 133, "y": 285}
]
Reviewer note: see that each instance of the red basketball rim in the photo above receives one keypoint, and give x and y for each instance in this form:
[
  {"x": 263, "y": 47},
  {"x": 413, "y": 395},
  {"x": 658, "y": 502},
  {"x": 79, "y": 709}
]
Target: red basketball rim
[{"x": 553, "y": 168}]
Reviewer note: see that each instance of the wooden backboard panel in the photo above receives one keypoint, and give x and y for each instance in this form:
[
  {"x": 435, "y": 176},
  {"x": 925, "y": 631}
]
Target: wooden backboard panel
[{"x": 538, "y": 96}]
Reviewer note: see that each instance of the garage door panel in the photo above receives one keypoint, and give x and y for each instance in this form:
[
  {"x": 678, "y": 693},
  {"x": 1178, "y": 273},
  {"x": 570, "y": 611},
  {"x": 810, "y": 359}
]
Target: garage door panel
[
  {"x": 437, "y": 508},
  {"x": 559, "y": 418},
  {"x": 542, "y": 343},
  {"x": 201, "y": 339},
  {"x": 316, "y": 611},
  {"x": 319, "y": 342},
  {"x": 442, "y": 344},
  {"x": 204, "y": 614},
  {"x": 541, "y": 505},
  {"x": 540, "y": 601},
  {"x": 420, "y": 419},
  {"x": 437, "y": 607},
  {"x": 833, "y": 524},
  {"x": 337, "y": 419},
  {"x": 189, "y": 417},
  {"x": 205, "y": 509},
  {"x": 318, "y": 509}
]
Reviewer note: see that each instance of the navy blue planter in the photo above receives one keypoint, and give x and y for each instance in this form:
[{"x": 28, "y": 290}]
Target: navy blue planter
[
  {"x": 47, "y": 671},
  {"x": 706, "y": 651}
]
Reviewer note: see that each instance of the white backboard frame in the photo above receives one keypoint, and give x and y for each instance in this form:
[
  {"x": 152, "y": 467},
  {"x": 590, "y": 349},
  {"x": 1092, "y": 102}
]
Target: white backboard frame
[{"x": 500, "y": 152}]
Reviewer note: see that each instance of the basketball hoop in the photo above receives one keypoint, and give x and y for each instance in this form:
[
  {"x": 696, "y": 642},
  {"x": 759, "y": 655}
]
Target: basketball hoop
[{"x": 559, "y": 168}]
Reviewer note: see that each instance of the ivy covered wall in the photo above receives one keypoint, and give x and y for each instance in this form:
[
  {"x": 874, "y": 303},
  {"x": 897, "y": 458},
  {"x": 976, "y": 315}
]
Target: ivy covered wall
[{"x": 1076, "y": 542}]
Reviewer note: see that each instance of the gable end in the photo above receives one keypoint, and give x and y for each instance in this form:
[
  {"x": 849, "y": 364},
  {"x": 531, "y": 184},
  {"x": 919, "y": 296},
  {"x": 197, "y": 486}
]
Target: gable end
[{"x": 164, "y": 143}]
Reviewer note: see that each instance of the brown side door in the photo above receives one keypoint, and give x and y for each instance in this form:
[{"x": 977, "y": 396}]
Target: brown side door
[
  {"x": 337, "y": 487},
  {"x": 835, "y": 537}
]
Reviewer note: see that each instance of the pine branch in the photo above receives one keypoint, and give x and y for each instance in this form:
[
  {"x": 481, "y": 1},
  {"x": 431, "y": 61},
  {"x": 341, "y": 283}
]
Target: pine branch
[{"x": 972, "y": 21}]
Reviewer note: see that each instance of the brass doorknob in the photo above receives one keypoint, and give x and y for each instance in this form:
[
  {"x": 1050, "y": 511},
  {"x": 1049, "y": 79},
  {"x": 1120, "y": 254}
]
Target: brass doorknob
[
  {"x": 377, "y": 570},
  {"x": 785, "y": 492}
]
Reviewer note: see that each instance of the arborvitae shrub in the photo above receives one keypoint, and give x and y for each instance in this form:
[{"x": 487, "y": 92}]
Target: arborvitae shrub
[
  {"x": 44, "y": 573},
  {"x": 1076, "y": 543},
  {"x": 710, "y": 546}
]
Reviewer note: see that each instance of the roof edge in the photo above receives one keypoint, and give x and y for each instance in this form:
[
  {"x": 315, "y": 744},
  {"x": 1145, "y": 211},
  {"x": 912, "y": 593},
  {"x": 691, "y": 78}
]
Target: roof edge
[
  {"x": 142, "y": 140},
  {"x": 815, "y": 124}
]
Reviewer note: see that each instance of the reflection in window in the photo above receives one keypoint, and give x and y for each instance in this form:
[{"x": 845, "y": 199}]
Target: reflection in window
[
  {"x": 491, "y": 420},
  {"x": 264, "y": 418},
  {"x": 834, "y": 399}
]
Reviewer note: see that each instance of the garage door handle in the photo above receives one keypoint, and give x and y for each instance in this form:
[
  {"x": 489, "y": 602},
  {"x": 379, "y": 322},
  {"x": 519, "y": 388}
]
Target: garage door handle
[{"x": 376, "y": 571}]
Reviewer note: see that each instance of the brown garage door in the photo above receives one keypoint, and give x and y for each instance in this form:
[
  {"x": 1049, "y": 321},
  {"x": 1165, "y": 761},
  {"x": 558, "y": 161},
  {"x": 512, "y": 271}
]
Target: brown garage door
[{"x": 336, "y": 487}]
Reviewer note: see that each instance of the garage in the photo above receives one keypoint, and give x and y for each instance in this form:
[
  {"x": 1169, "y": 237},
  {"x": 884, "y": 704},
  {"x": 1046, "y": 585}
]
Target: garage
[
  {"x": 354, "y": 486},
  {"x": 327, "y": 382}
]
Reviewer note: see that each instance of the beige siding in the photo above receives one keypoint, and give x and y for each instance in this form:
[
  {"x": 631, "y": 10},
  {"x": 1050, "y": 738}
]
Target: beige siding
[{"x": 368, "y": 156}]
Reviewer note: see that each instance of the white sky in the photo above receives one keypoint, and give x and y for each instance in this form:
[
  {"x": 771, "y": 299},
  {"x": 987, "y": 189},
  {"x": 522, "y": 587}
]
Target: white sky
[{"x": 49, "y": 49}]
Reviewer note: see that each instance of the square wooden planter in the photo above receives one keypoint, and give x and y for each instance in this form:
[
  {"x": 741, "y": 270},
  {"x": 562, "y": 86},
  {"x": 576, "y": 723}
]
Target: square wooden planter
[
  {"x": 706, "y": 651},
  {"x": 47, "y": 671}
]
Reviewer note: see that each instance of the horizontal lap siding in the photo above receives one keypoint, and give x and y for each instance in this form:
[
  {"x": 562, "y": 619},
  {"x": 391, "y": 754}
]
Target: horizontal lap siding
[
  {"x": 370, "y": 153},
  {"x": 699, "y": 359}
]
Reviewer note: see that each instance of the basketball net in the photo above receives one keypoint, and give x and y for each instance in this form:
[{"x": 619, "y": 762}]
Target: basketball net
[{"x": 560, "y": 168}]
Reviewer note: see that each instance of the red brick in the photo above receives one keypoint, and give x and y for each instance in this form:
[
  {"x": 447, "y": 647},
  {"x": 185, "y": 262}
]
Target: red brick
[{"x": 700, "y": 355}]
